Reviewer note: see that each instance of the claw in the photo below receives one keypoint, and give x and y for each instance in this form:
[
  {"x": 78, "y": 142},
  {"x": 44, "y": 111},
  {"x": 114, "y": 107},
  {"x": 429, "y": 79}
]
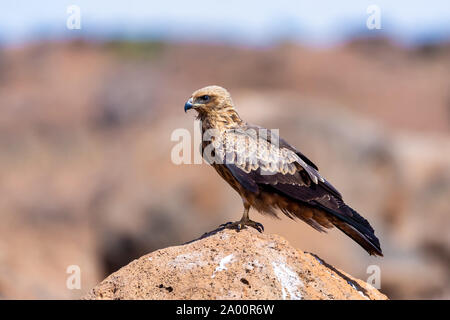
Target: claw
[
  {"x": 259, "y": 227},
  {"x": 239, "y": 225}
]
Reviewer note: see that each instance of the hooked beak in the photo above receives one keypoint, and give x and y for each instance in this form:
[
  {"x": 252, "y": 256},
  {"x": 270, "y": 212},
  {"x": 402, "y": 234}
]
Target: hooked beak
[{"x": 188, "y": 105}]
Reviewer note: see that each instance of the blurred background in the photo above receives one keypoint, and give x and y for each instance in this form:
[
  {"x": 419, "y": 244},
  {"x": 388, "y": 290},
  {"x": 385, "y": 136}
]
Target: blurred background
[{"x": 90, "y": 95}]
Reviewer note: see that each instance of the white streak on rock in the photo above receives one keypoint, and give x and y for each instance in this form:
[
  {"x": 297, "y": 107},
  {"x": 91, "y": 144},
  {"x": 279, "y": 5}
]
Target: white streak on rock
[
  {"x": 364, "y": 296},
  {"x": 289, "y": 281},
  {"x": 354, "y": 287},
  {"x": 222, "y": 264}
]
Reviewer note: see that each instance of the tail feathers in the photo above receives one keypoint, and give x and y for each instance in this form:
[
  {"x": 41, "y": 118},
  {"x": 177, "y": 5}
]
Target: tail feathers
[
  {"x": 356, "y": 227},
  {"x": 370, "y": 243}
]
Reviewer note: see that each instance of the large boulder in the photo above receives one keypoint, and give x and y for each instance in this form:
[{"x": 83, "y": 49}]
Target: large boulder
[{"x": 226, "y": 264}]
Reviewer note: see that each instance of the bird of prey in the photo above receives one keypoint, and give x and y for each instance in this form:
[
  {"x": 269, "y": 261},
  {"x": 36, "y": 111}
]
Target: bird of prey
[{"x": 270, "y": 174}]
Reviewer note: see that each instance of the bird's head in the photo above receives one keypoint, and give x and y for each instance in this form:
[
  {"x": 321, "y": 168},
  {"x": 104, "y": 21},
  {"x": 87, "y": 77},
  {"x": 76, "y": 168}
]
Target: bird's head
[{"x": 209, "y": 100}]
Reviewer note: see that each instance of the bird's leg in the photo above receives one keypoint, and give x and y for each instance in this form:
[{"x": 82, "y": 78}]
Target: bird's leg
[{"x": 244, "y": 222}]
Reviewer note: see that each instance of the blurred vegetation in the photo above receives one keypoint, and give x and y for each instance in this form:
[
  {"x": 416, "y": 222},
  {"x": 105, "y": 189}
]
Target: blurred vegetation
[{"x": 136, "y": 49}]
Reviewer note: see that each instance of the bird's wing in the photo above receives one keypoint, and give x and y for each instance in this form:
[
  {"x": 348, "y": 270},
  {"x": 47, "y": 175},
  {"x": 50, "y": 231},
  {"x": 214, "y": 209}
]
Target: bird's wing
[
  {"x": 258, "y": 161},
  {"x": 311, "y": 167},
  {"x": 282, "y": 143},
  {"x": 254, "y": 149}
]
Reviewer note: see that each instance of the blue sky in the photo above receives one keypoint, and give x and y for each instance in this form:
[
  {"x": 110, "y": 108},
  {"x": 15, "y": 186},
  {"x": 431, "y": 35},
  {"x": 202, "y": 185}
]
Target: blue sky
[{"x": 252, "y": 22}]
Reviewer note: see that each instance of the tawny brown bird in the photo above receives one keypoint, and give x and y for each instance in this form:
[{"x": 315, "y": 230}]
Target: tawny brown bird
[{"x": 269, "y": 174}]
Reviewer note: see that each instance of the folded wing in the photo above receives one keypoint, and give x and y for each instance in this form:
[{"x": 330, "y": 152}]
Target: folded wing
[{"x": 262, "y": 162}]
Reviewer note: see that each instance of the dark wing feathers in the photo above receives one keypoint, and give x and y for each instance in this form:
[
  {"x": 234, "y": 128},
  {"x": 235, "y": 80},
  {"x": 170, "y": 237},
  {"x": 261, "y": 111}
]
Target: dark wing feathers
[
  {"x": 319, "y": 197},
  {"x": 242, "y": 177},
  {"x": 287, "y": 172}
]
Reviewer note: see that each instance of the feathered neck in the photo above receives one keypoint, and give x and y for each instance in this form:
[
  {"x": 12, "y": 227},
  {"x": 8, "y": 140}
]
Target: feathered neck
[{"x": 225, "y": 118}]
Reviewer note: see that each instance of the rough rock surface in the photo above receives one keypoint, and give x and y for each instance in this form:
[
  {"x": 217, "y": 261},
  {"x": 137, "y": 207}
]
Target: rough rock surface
[{"x": 231, "y": 265}]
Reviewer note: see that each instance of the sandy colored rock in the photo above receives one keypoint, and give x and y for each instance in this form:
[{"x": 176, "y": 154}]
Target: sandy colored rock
[{"x": 232, "y": 265}]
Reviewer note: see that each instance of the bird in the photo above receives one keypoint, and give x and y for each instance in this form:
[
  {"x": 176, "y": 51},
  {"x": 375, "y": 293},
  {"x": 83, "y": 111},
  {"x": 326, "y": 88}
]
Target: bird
[{"x": 269, "y": 174}]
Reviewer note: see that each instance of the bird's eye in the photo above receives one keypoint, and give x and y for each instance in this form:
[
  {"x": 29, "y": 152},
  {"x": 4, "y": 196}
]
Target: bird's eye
[{"x": 205, "y": 98}]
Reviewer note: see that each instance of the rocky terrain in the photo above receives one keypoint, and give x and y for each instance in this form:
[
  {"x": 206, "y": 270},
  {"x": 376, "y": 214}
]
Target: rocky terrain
[
  {"x": 86, "y": 176},
  {"x": 232, "y": 265}
]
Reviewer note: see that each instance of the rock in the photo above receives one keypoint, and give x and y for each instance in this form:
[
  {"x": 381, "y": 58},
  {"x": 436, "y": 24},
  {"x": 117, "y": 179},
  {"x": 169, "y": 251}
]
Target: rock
[{"x": 226, "y": 264}]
